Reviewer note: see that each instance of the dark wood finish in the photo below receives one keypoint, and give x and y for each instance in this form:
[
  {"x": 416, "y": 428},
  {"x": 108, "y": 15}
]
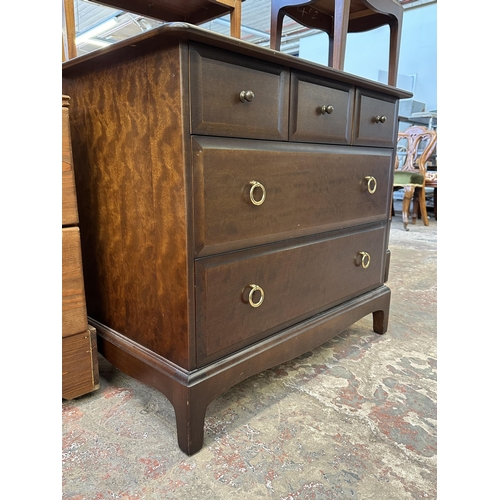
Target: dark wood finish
[
  {"x": 310, "y": 118},
  {"x": 310, "y": 188},
  {"x": 155, "y": 40},
  {"x": 339, "y": 17},
  {"x": 375, "y": 119},
  {"x": 216, "y": 80},
  {"x": 160, "y": 271},
  {"x": 298, "y": 280},
  {"x": 80, "y": 372}
]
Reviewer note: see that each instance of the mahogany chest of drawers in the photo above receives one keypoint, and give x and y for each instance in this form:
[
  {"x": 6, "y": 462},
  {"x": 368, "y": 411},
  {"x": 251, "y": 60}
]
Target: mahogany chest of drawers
[{"x": 234, "y": 208}]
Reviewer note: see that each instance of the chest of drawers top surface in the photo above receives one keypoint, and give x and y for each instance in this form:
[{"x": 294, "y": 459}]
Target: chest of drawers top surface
[{"x": 154, "y": 39}]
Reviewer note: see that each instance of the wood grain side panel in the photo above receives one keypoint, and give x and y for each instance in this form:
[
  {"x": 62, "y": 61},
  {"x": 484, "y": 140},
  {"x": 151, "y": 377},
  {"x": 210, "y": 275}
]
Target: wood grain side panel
[
  {"x": 172, "y": 194},
  {"x": 74, "y": 312},
  {"x": 128, "y": 187},
  {"x": 69, "y": 205}
]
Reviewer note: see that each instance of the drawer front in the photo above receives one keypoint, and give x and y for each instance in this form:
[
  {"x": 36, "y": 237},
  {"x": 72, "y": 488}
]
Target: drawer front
[
  {"x": 320, "y": 110},
  {"x": 309, "y": 189},
  {"x": 74, "y": 312},
  {"x": 69, "y": 206},
  {"x": 375, "y": 121},
  {"x": 297, "y": 280},
  {"x": 218, "y": 107},
  {"x": 80, "y": 370}
]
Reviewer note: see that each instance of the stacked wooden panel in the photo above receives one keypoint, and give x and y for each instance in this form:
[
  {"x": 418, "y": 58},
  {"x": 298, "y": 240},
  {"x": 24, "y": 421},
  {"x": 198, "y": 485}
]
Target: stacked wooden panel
[{"x": 80, "y": 373}]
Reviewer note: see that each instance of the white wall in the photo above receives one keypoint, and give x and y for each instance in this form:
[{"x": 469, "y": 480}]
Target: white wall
[{"x": 367, "y": 54}]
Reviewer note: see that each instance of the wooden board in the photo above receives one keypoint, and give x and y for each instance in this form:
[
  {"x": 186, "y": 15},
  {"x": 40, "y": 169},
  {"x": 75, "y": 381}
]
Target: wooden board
[
  {"x": 80, "y": 374},
  {"x": 74, "y": 311}
]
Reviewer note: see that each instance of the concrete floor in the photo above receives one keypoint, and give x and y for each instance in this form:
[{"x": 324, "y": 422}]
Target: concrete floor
[{"x": 353, "y": 419}]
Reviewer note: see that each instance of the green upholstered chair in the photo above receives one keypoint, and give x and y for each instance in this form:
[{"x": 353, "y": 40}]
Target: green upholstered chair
[{"x": 415, "y": 146}]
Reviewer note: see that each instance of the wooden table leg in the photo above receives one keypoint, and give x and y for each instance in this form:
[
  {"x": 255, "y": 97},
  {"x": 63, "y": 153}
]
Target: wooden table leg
[
  {"x": 235, "y": 16},
  {"x": 236, "y": 20}
]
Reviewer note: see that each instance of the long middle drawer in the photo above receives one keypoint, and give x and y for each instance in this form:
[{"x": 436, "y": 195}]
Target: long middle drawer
[{"x": 249, "y": 192}]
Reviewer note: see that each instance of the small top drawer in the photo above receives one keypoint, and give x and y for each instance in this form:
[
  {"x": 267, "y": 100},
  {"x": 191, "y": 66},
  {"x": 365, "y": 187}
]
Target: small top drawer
[
  {"x": 320, "y": 110},
  {"x": 237, "y": 96},
  {"x": 69, "y": 205},
  {"x": 375, "y": 120}
]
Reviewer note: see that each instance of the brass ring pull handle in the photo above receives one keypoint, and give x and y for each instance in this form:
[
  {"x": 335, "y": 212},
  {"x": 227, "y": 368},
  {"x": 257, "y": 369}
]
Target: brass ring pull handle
[
  {"x": 365, "y": 259},
  {"x": 255, "y": 288},
  {"x": 371, "y": 184},
  {"x": 256, "y": 185},
  {"x": 246, "y": 96},
  {"x": 380, "y": 119},
  {"x": 327, "y": 109}
]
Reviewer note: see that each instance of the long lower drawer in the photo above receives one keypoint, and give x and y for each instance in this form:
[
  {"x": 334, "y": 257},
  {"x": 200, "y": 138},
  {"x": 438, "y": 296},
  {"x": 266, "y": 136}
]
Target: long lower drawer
[
  {"x": 255, "y": 192},
  {"x": 242, "y": 297}
]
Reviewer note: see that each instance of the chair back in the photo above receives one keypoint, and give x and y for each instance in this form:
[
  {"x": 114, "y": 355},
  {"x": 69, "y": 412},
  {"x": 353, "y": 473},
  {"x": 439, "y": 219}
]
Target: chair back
[{"x": 415, "y": 146}]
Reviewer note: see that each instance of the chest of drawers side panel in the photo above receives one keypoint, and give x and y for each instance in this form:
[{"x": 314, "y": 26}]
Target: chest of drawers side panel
[{"x": 130, "y": 124}]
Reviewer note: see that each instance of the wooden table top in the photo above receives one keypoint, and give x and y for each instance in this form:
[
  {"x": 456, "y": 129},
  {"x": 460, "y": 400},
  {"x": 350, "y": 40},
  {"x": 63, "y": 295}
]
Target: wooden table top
[{"x": 189, "y": 11}]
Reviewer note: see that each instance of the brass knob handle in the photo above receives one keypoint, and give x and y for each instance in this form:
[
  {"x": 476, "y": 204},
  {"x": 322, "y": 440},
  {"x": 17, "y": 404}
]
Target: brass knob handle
[
  {"x": 380, "y": 119},
  {"x": 255, "y": 288},
  {"x": 365, "y": 259},
  {"x": 256, "y": 185},
  {"x": 371, "y": 183},
  {"x": 246, "y": 96},
  {"x": 327, "y": 109}
]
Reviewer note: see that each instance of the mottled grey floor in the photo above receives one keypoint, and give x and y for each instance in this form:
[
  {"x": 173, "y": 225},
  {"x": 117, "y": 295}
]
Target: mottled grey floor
[{"x": 353, "y": 419}]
